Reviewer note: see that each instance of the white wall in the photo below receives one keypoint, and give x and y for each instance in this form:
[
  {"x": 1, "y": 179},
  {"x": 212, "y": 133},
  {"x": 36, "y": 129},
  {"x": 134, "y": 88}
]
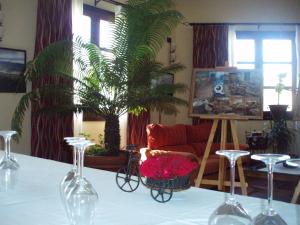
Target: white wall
[
  {"x": 19, "y": 33},
  {"x": 246, "y": 11}
]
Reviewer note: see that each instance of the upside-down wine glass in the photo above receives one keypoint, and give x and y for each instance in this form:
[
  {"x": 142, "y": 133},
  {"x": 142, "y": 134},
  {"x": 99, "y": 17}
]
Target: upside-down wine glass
[
  {"x": 72, "y": 173},
  {"x": 269, "y": 216},
  {"x": 81, "y": 197},
  {"x": 8, "y": 161},
  {"x": 231, "y": 211}
]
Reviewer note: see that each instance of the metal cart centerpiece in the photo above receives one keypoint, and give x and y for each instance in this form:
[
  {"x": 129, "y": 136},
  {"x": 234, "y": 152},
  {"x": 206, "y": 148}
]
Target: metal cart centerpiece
[{"x": 163, "y": 174}]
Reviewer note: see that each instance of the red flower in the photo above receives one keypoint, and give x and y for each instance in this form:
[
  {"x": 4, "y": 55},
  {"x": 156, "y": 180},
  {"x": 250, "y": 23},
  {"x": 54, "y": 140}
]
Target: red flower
[{"x": 165, "y": 167}]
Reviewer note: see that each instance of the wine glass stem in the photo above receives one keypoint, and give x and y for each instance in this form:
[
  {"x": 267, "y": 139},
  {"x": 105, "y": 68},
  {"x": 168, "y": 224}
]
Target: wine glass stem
[
  {"x": 78, "y": 159},
  {"x": 232, "y": 179},
  {"x": 74, "y": 157},
  {"x": 81, "y": 162},
  {"x": 270, "y": 187},
  {"x": 7, "y": 147}
]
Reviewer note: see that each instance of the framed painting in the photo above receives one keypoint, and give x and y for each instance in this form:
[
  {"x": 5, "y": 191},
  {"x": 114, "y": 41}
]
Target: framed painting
[
  {"x": 226, "y": 92},
  {"x": 12, "y": 67}
]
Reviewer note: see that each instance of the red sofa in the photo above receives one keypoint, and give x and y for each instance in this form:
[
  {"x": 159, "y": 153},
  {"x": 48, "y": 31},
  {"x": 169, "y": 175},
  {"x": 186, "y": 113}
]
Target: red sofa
[{"x": 191, "y": 139}]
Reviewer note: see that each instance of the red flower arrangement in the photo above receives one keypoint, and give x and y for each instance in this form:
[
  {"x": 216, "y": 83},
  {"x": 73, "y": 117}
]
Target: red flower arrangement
[{"x": 166, "y": 167}]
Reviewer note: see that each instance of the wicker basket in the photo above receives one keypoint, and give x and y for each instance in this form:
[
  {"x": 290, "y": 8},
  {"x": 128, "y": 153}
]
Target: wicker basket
[{"x": 176, "y": 184}]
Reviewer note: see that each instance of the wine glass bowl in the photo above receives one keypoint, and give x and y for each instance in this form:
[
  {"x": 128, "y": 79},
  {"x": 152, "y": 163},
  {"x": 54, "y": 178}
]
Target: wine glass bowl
[
  {"x": 231, "y": 211},
  {"x": 269, "y": 216},
  {"x": 8, "y": 161},
  {"x": 293, "y": 162}
]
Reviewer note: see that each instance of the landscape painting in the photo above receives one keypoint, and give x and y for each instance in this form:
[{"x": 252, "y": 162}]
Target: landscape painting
[
  {"x": 12, "y": 67},
  {"x": 227, "y": 93}
]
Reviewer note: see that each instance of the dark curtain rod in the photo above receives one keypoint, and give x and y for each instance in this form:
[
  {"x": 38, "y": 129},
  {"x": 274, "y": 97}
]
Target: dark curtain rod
[
  {"x": 109, "y": 1},
  {"x": 259, "y": 24}
]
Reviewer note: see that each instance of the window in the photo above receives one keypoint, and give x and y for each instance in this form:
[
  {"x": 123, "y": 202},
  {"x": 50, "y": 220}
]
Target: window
[
  {"x": 97, "y": 27},
  {"x": 273, "y": 53}
]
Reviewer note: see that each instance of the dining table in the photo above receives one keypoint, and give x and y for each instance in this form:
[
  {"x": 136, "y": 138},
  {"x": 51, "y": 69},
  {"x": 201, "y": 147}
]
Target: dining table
[{"x": 30, "y": 196}]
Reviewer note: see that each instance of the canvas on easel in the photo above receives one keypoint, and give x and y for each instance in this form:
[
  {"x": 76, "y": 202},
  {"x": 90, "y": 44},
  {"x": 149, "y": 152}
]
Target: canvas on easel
[
  {"x": 226, "y": 95},
  {"x": 226, "y": 92}
]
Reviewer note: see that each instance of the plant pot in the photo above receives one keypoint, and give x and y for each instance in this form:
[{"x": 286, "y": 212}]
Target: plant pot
[
  {"x": 278, "y": 112},
  {"x": 110, "y": 163}
]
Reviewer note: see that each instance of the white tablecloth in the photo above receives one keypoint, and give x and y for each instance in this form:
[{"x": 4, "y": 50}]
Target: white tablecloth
[{"x": 35, "y": 200}]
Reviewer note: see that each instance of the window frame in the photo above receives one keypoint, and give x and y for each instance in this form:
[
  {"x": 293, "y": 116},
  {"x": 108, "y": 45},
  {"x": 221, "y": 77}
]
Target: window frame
[
  {"x": 96, "y": 15},
  {"x": 258, "y": 37}
]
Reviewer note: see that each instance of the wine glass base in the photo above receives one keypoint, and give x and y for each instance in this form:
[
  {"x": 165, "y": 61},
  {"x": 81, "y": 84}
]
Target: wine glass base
[
  {"x": 265, "y": 219},
  {"x": 230, "y": 213},
  {"x": 9, "y": 163}
]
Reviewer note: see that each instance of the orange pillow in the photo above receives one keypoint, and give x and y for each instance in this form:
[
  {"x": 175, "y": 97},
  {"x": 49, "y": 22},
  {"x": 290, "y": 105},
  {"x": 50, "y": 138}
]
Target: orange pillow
[
  {"x": 198, "y": 133},
  {"x": 159, "y": 135}
]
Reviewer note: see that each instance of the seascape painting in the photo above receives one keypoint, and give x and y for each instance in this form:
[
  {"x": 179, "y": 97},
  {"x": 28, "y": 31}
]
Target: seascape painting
[
  {"x": 227, "y": 92},
  {"x": 12, "y": 67}
]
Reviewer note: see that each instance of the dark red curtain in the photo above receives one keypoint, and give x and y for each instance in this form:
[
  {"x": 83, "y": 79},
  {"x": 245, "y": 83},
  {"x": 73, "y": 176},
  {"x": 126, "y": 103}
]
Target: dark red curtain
[
  {"x": 54, "y": 23},
  {"x": 136, "y": 129},
  {"x": 210, "y": 47}
]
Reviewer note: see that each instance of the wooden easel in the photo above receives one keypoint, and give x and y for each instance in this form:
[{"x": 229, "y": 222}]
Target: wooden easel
[
  {"x": 220, "y": 182},
  {"x": 296, "y": 193}
]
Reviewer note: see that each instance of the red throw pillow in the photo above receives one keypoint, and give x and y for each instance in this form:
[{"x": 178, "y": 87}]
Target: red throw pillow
[
  {"x": 198, "y": 133},
  {"x": 159, "y": 135}
]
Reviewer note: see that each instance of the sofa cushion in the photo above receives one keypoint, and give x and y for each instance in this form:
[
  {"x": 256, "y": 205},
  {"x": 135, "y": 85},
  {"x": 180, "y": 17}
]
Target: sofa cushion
[
  {"x": 159, "y": 135},
  {"x": 178, "y": 148},
  {"x": 212, "y": 165},
  {"x": 198, "y": 133},
  {"x": 199, "y": 148}
]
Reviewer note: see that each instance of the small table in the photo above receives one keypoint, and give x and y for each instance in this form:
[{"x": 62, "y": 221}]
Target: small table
[
  {"x": 279, "y": 168},
  {"x": 295, "y": 162}
]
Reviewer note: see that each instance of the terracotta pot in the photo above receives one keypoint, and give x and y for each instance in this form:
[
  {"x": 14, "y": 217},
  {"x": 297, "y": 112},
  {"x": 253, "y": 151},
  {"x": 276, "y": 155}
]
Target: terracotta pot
[
  {"x": 110, "y": 163},
  {"x": 278, "y": 112}
]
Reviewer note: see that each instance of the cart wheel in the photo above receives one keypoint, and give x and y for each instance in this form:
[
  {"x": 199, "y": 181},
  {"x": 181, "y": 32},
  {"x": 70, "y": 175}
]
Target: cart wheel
[
  {"x": 126, "y": 180},
  {"x": 161, "y": 195},
  {"x": 143, "y": 180}
]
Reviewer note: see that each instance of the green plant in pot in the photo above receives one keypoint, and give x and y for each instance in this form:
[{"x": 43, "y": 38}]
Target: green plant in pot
[
  {"x": 281, "y": 137},
  {"x": 110, "y": 86},
  {"x": 279, "y": 111}
]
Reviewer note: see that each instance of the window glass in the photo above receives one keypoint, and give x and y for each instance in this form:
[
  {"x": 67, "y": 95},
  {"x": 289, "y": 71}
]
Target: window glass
[
  {"x": 85, "y": 32},
  {"x": 271, "y": 98},
  {"x": 245, "y": 66},
  {"x": 245, "y": 50},
  {"x": 271, "y": 72},
  {"x": 277, "y": 50},
  {"x": 105, "y": 36}
]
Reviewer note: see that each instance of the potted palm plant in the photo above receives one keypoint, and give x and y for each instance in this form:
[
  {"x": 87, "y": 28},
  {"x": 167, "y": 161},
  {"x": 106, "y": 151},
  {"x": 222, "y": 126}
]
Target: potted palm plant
[
  {"x": 110, "y": 86},
  {"x": 281, "y": 137},
  {"x": 279, "y": 111}
]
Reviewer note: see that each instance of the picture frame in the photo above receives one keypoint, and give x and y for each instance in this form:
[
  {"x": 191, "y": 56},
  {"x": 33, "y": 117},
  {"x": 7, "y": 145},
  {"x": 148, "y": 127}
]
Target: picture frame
[
  {"x": 226, "y": 92},
  {"x": 12, "y": 68}
]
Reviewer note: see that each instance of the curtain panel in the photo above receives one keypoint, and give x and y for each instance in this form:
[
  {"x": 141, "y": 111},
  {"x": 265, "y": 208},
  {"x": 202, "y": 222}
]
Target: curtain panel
[
  {"x": 136, "y": 129},
  {"x": 54, "y": 23},
  {"x": 210, "y": 47}
]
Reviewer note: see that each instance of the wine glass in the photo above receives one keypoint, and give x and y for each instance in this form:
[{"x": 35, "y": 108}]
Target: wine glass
[
  {"x": 81, "y": 197},
  {"x": 8, "y": 161},
  {"x": 73, "y": 141},
  {"x": 269, "y": 216},
  {"x": 231, "y": 211}
]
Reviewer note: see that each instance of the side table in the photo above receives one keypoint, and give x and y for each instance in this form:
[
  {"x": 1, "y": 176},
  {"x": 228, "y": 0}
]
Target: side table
[
  {"x": 295, "y": 163},
  {"x": 279, "y": 168}
]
